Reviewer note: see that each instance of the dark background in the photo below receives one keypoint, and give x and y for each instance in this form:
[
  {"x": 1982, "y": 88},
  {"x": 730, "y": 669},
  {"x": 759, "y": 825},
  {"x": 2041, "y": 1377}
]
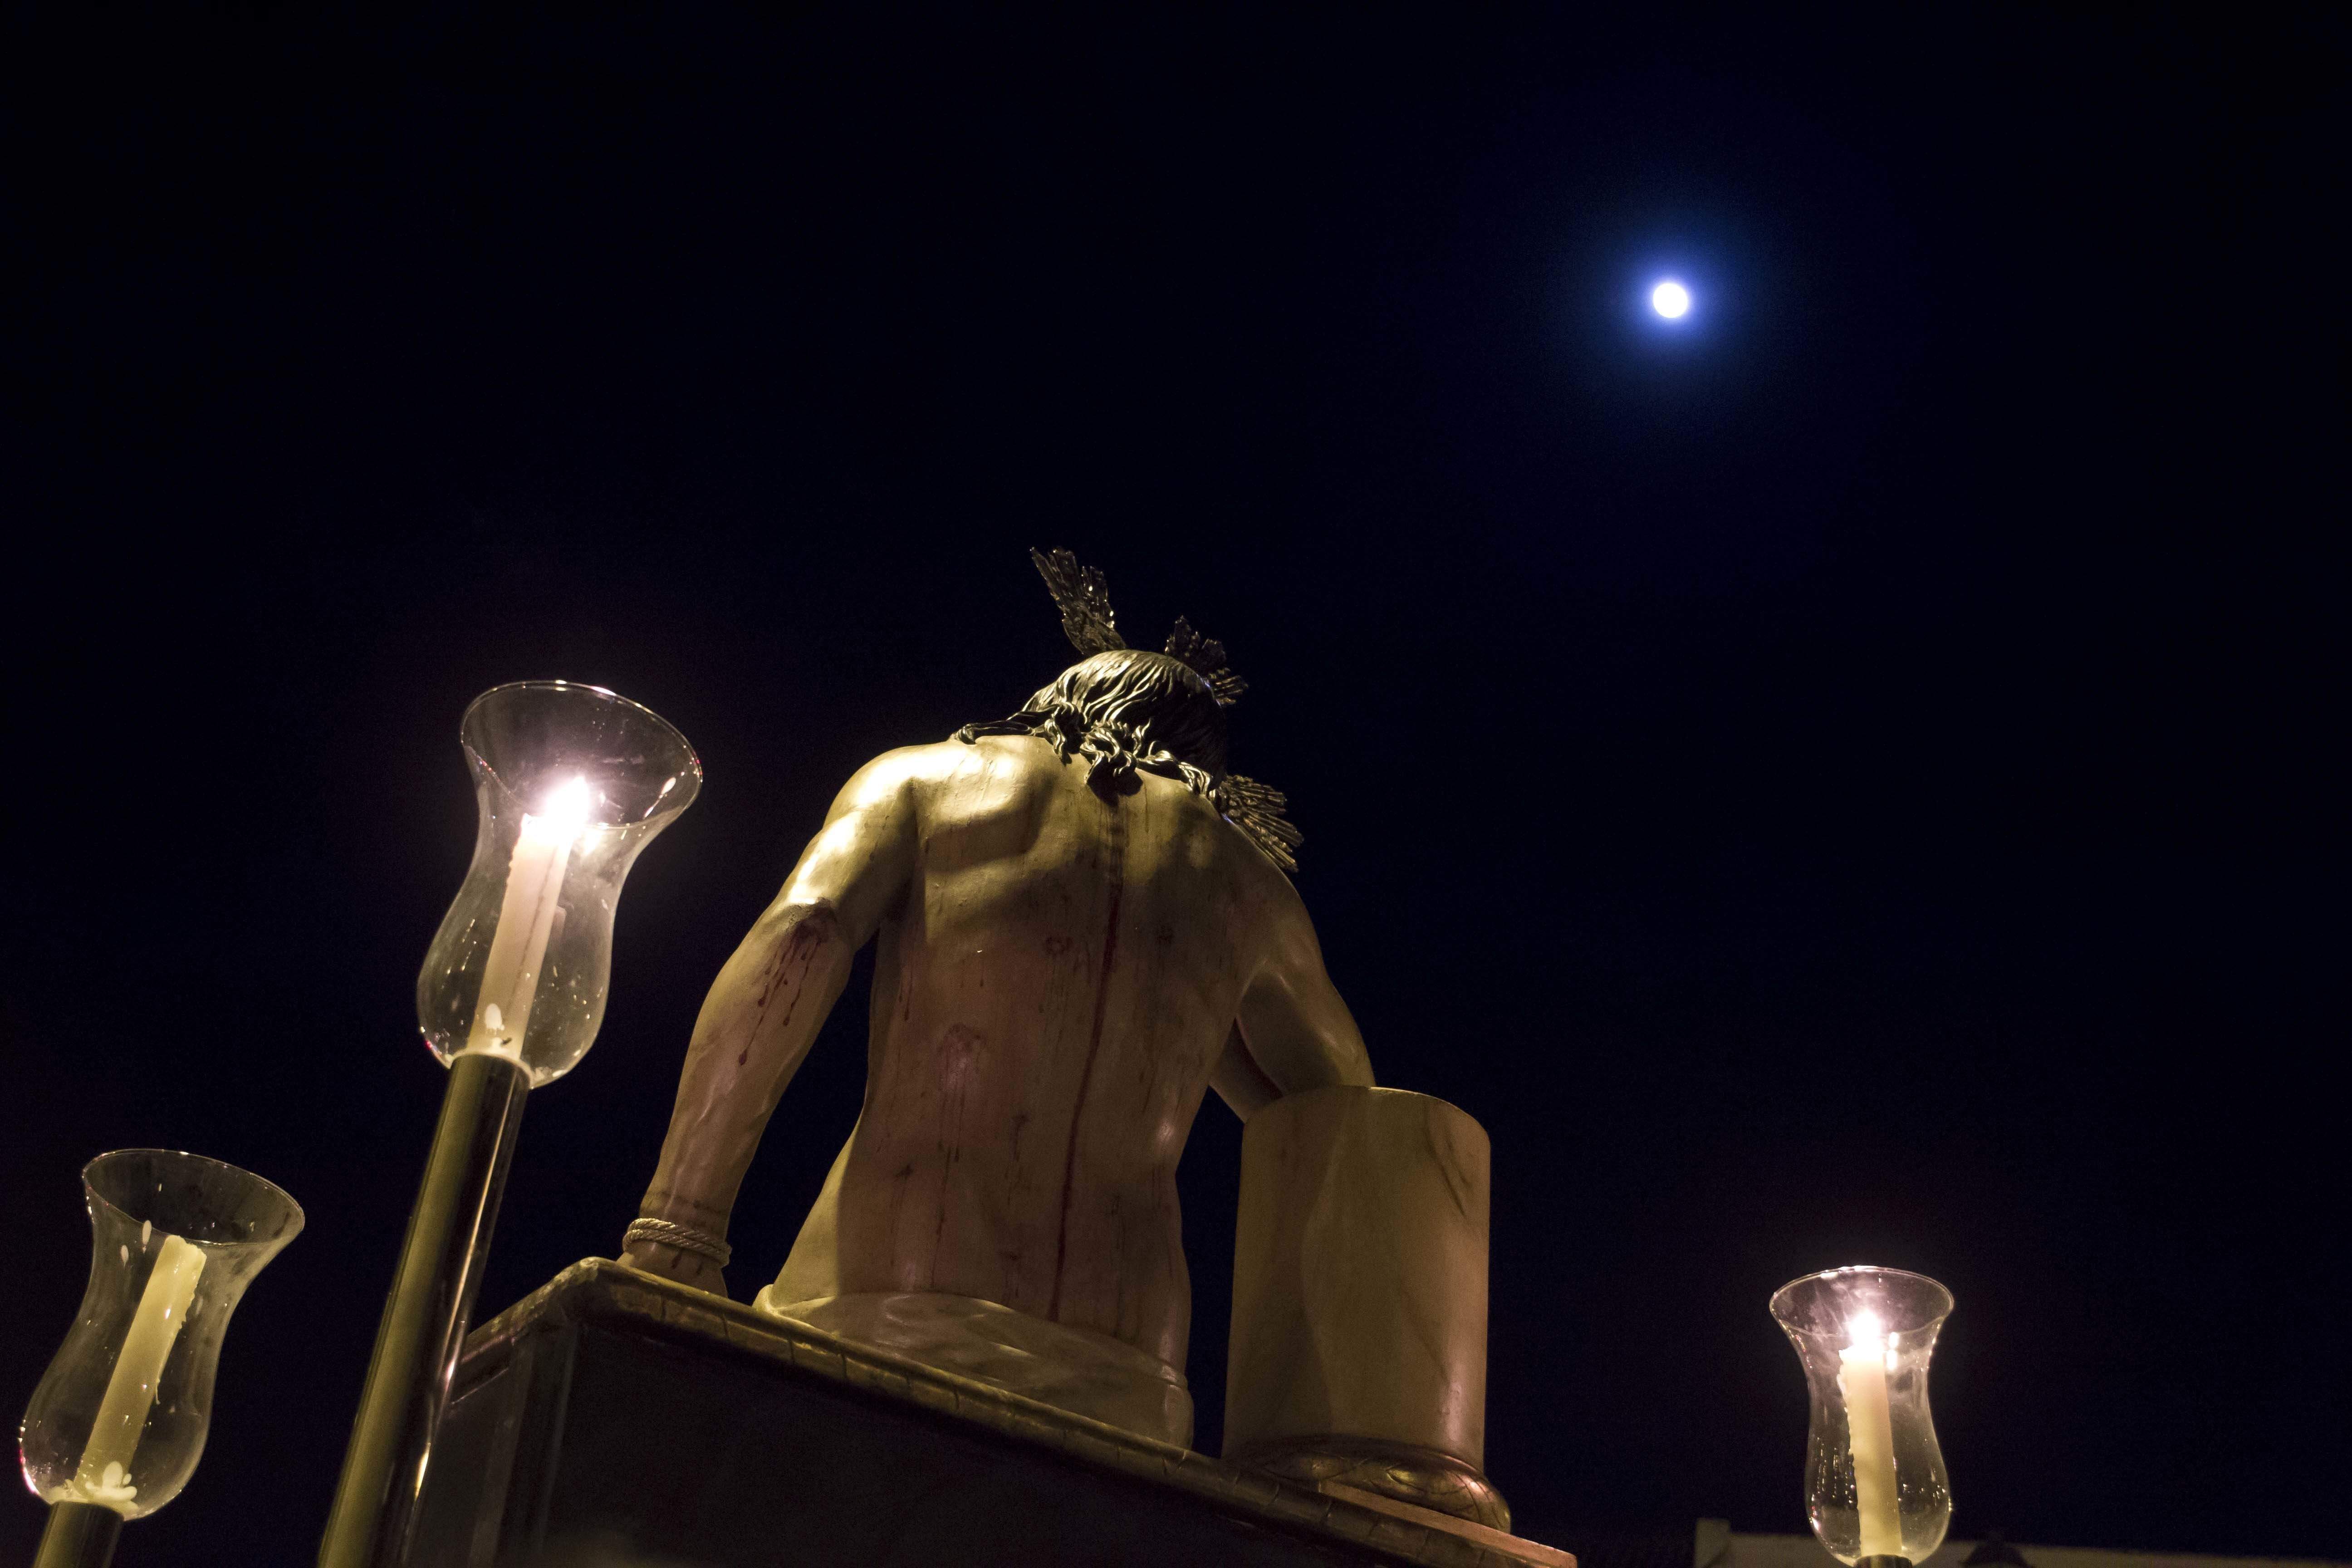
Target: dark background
[{"x": 1839, "y": 781}]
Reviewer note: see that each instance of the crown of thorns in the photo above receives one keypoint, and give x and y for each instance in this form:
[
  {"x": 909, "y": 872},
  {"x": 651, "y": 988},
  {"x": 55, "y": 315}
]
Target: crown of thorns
[
  {"x": 1254, "y": 808},
  {"x": 1088, "y": 621}
]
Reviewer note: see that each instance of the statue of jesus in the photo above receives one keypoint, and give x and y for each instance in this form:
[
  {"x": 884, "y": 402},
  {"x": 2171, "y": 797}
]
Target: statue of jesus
[{"x": 1083, "y": 923}]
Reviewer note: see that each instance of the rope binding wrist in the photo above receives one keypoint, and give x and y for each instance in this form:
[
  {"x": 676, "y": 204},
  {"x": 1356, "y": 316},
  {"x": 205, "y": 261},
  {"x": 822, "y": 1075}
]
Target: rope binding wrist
[{"x": 684, "y": 1237}]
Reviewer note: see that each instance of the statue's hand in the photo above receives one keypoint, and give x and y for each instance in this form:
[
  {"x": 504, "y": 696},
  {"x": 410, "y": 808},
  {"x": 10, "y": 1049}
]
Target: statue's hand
[{"x": 675, "y": 1263}]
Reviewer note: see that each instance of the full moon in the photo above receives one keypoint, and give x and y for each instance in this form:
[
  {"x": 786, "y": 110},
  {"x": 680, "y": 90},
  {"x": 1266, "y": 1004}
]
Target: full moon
[{"x": 1670, "y": 299}]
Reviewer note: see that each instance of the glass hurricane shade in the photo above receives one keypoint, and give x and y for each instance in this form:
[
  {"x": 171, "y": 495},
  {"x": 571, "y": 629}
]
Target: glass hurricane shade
[
  {"x": 119, "y": 1418},
  {"x": 572, "y": 782},
  {"x": 1875, "y": 1479}
]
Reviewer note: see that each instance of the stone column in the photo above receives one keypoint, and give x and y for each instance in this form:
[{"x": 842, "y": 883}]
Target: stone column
[{"x": 1360, "y": 1299}]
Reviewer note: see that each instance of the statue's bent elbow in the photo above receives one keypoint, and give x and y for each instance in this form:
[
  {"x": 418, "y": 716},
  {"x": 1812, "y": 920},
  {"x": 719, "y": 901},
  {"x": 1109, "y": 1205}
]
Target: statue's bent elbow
[{"x": 804, "y": 926}]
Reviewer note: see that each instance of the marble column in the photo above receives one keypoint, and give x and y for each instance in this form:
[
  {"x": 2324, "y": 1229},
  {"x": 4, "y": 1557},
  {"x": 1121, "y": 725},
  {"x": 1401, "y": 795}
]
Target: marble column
[{"x": 1359, "y": 1351}]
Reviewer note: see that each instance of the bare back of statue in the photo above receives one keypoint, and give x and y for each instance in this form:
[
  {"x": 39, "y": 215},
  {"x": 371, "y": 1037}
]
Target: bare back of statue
[
  {"x": 1049, "y": 1000},
  {"x": 1070, "y": 951}
]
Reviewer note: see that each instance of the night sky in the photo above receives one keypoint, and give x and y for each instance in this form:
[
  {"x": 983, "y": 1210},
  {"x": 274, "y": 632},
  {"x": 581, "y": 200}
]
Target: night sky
[{"x": 1836, "y": 780}]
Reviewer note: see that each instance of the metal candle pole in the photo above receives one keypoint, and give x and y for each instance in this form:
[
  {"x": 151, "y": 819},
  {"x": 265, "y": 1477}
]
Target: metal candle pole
[
  {"x": 426, "y": 1317},
  {"x": 572, "y": 782},
  {"x": 80, "y": 1535}
]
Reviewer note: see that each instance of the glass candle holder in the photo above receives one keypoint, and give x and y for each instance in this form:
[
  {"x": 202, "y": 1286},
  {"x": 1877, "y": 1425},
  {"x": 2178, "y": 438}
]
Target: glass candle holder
[
  {"x": 1875, "y": 1486},
  {"x": 572, "y": 782},
  {"x": 119, "y": 1418}
]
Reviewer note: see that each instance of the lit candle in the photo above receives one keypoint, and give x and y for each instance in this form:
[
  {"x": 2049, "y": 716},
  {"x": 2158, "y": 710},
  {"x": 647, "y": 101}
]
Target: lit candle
[
  {"x": 1870, "y": 1434},
  {"x": 526, "y": 920},
  {"x": 104, "y": 1474}
]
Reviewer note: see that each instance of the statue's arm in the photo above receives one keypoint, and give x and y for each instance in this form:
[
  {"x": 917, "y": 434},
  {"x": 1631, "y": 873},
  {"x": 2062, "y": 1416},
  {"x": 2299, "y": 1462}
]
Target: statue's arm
[
  {"x": 1294, "y": 1032},
  {"x": 764, "y": 1012}
]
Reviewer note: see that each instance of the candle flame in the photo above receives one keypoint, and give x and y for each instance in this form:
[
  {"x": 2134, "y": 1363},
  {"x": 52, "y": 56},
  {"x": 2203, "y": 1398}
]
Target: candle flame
[
  {"x": 563, "y": 813},
  {"x": 1864, "y": 1331},
  {"x": 568, "y": 805}
]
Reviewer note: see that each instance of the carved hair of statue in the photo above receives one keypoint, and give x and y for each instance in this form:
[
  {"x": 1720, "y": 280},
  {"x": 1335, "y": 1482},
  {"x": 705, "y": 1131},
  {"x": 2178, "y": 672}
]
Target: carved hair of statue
[{"x": 1124, "y": 710}]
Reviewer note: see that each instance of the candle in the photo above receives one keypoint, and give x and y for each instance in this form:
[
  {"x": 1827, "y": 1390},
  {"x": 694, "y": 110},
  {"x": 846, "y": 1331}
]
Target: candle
[
  {"x": 1870, "y": 1434},
  {"x": 103, "y": 1475},
  {"x": 526, "y": 920}
]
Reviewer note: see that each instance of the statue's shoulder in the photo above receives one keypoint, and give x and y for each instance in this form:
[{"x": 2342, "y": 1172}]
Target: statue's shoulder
[
  {"x": 894, "y": 778},
  {"x": 956, "y": 765},
  {"x": 918, "y": 763}
]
